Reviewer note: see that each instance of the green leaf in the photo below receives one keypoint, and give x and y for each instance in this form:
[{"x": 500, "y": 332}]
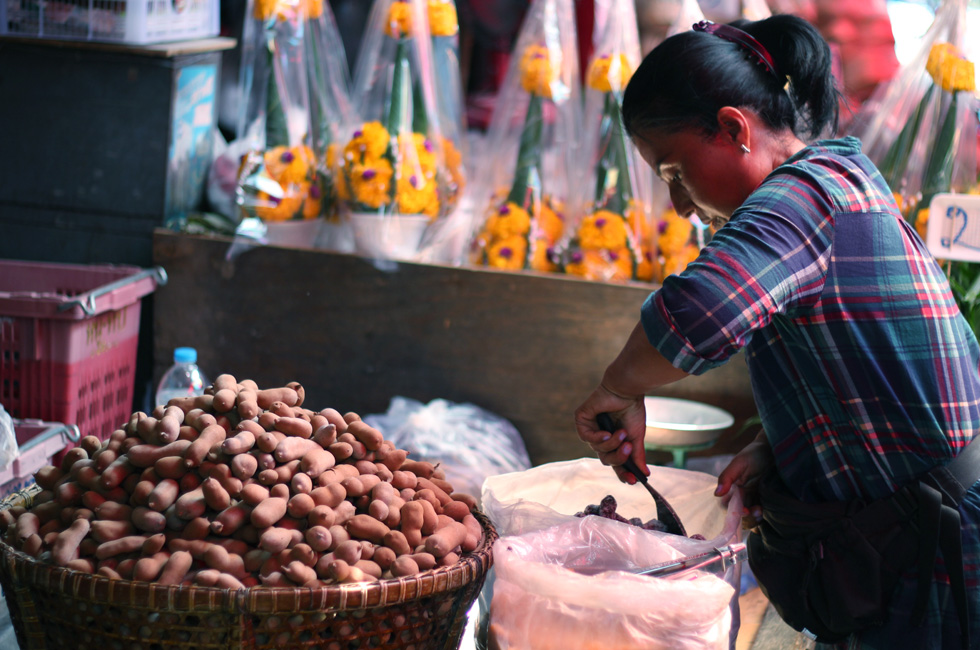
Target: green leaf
[
  {"x": 939, "y": 169},
  {"x": 420, "y": 119},
  {"x": 527, "y": 174},
  {"x": 613, "y": 189},
  {"x": 276, "y": 133},
  {"x": 400, "y": 100},
  {"x": 895, "y": 160}
]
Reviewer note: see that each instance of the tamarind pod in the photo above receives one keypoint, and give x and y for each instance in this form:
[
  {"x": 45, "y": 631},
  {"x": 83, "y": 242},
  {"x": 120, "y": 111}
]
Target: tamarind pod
[
  {"x": 197, "y": 528},
  {"x": 367, "y": 527},
  {"x": 72, "y": 456},
  {"x": 146, "y": 429},
  {"x": 69, "y": 494},
  {"x": 83, "y": 564},
  {"x": 269, "y": 512},
  {"x": 274, "y": 539},
  {"x": 106, "y": 530},
  {"x": 286, "y": 471},
  {"x": 421, "y": 468},
  {"x": 468, "y": 499},
  {"x": 300, "y": 505},
  {"x": 430, "y": 516},
  {"x": 351, "y": 416},
  {"x": 341, "y": 450},
  {"x": 141, "y": 493},
  {"x": 300, "y": 573},
  {"x": 147, "y": 569},
  {"x": 190, "y": 482},
  {"x": 127, "y": 544},
  {"x": 111, "y": 510},
  {"x": 265, "y": 398},
  {"x": 437, "y": 492},
  {"x": 248, "y": 406},
  {"x": 268, "y": 441},
  {"x": 281, "y": 409},
  {"x": 48, "y": 475},
  {"x": 301, "y": 483},
  {"x": 103, "y": 458},
  {"x": 215, "y": 495},
  {"x": 168, "y": 427},
  {"x": 318, "y": 420},
  {"x": 7, "y": 521},
  {"x": 446, "y": 539},
  {"x": 325, "y": 435},
  {"x": 427, "y": 495},
  {"x": 369, "y": 568},
  {"x": 294, "y": 426},
  {"x": 223, "y": 474},
  {"x": 303, "y": 552},
  {"x": 318, "y": 538},
  {"x": 117, "y": 494},
  {"x": 176, "y": 567},
  {"x": 27, "y": 524},
  {"x": 146, "y": 455},
  {"x": 108, "y": 572},
  {"x": 114, "y": 474},
  {"x": 254, "y": 493},
  {"x": 267, "y": 420},
  {"x": 149, "y": 521},
  {"x": 163, "y": 495},
  {"x": 323, "y": 516},
  {"x": 344, "y": 511},
  {"x": 358, "y": 486},
  {"x": 65, "y": 546},
  {"x": 224, "y": 400},
  {"x": 367, "y": 435},
  {"x": 456, "y": 510},
  {"x": 32, "y": 545},
  {"x": 154, "y": 544},
  {"x": 86, "y": 476},
  {"x": 231, "y": 518},
  {"x": 171, "y": 467},
  {"x": 358, "y": 450},
  {"x": 218, "y": 557},
  {"x": 397, "y": 541},
  {"x": 239, "y": 443},
  {"x": 210, "y": 436},
  {"x": 404, "y": 565},
  {"x": 293, "y": 448},
  {"x": 366, "y": 467},
  {"x": 191, "y": 504},
  {"x": 244, "y": 466},
  {"x": 379, "y": 510}
]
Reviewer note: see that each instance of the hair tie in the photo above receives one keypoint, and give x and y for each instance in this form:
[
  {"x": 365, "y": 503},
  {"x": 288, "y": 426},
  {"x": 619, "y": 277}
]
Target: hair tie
[{"x": 755, "y": 49}]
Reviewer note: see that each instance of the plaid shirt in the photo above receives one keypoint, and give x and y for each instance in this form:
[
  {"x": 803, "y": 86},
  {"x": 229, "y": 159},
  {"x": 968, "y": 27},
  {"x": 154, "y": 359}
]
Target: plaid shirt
[{"x": 864, "y": 372}]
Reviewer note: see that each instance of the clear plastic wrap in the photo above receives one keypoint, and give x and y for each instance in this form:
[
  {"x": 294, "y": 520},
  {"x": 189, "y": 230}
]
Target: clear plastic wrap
[
  {"x": 613, "y": 241},
  {"x": 689, "y": 14},
  {"x": 8, "y": 439},
  {"x": 294, "y": 78},
  {"x": 920, "y": 129},
  {"x": 542, "y": 541},
  {"x": 399, "y": 174},
  {"x": 527, "y": 187},
  {"x": 470, "y": 443}
]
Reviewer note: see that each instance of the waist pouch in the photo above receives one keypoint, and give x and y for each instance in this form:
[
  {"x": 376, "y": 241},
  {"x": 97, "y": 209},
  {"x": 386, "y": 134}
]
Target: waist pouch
[{"x": 829, "y": 569}]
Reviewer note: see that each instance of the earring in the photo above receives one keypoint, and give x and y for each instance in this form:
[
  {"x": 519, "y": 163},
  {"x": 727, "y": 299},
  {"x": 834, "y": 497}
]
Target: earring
[{"x": 745, "y": 149}]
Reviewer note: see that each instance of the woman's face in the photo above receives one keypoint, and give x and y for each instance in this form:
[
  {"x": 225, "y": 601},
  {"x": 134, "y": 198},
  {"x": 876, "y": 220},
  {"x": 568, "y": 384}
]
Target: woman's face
[{"x": 707, "y": 174}]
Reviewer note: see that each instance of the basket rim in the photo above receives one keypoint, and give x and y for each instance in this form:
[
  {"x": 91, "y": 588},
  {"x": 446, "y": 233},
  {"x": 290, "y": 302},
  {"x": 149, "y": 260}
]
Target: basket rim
[{"x": 24, "y": 570}]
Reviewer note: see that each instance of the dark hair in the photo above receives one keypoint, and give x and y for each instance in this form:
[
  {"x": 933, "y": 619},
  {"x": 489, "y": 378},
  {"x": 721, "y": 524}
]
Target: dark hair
[{"x": 686, "y": 79}]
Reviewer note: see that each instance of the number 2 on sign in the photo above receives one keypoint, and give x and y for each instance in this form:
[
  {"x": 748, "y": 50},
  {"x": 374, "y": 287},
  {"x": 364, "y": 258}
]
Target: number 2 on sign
[{"x": 953, "y": 232}]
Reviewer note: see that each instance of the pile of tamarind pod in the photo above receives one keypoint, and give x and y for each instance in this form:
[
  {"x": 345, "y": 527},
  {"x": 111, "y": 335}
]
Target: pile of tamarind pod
[{"x": 239, "y": 488}]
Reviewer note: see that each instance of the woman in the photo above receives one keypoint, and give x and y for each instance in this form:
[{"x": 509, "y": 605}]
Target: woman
[{"x": 863, "y": 370}]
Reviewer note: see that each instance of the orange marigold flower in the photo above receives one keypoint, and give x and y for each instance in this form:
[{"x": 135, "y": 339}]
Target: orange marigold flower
[
  {"x": 313, "y": 205},
  {"x": 271, "y": 208},
  {"x": 609, "y": 72},
  {"x": 510, "y": 219},
  {"x": 538, "y": 70},
  {"x": 645, "y": 265},
  {"x": 675, "y": 234},
  {"x": 604, "y": 229},
  {"x": 605, "y": 266},
  {"x": 442, "y": 18},
  {"x": 507, "y": 253},
  {"x": 677, "y": 262},
  {"x": 922, "y": 222},
  {"x": 550, "y": 222},
  {"x": 399, "y": 21},
  {"x": 371, "y": 183},
  {"x": 369, "y": 142},
  {"x": 314, "y": 8},
  {"x": 417, "y": 195},
  {"x": 289, "y": 164}
]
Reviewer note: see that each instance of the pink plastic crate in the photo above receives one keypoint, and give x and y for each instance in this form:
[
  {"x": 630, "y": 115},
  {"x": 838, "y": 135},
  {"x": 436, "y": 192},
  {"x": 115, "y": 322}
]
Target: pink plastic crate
[
  {"x": 68, "y": 337},
  {"x": 38, "y": 443}
]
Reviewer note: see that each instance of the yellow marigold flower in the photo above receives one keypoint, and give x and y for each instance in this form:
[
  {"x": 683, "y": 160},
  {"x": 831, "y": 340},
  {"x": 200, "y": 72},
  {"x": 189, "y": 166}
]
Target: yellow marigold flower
[
  {"x": 507, "y": 253},
  {"x": 949, "y": 69},
  {"x": 675, "y": 234},
  {"x": 416, "y": 154},
  {"x": 604, "y": 266},
  {"x": 442, "y": 18},
  {"x": 313, "y": 204},
  {"x": 542, "y": 256},
  {"x": 604, "y": 229},
  {"x": 677, "y": 262},
  {"x": 609, "y": 72},
  {"x": 454, "y": 163},
  {"x": 922, "y": 222},
  {"x": 371, "y": 183},
  {"x": 271, "y": 208},
  {"x": 538, "y": 71},
  {"x": 264, "y": 9},
  {"x": 330, "y": 156},
  {"x": 644, "y": 265},
  {"x": 639, "y": 224},
  {"x": 550, "y": 222},
  {"x": 289, "y": 164},
  {"x": 417, "y": 196},
  {"x": 369, "y": 142},
  {"x": 509, "y": 220},
  {"x": 340, "y": 186},
  {"x": 399, "y": 19}
]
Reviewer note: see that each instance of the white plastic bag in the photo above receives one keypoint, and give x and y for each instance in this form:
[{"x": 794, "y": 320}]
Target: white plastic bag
[
  {"x": 8, "y": 439},
  {"x": 469, "y": 442},
  {"x": 539, "y": 604},
  {"x": 538, "y": 506}
]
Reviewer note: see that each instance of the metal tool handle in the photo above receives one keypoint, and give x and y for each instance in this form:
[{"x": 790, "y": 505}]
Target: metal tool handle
[{"x": 87, "y": 302}]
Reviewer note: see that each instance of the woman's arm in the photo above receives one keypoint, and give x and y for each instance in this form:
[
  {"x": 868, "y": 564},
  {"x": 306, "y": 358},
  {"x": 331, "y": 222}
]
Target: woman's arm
[{"x": 638, "y": 369}]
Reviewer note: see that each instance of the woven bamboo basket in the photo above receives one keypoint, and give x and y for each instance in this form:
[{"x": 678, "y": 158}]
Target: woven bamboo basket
[{"x": 52, "y": 607}]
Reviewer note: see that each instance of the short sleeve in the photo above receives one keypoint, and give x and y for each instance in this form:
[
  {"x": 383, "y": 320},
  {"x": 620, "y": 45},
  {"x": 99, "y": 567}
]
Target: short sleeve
[{"x": 770, "y": 258}]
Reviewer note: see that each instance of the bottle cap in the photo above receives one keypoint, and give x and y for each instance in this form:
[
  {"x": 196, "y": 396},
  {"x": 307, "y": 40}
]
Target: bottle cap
[{"x": 185, "y": 355}]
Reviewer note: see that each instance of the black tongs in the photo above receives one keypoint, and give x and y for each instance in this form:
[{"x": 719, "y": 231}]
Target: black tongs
[{"x": 665, "y": 513}]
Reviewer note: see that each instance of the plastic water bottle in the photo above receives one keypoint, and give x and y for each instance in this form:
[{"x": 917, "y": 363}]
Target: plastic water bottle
[{"x": 183, "y": 379}]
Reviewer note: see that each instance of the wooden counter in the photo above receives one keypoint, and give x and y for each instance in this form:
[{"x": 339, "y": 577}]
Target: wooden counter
[{"x": 529, "y": 347}]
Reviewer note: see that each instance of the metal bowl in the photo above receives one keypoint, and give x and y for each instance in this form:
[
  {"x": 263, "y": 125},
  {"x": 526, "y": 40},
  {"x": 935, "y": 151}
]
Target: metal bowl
[{"x": 681, "y": 422}]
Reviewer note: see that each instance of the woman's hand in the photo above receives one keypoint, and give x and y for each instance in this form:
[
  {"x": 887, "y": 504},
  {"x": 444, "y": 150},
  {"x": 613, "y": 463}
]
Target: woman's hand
[
  {"x": 744, "y": 472},
  {"x": 613, "y": 448}
]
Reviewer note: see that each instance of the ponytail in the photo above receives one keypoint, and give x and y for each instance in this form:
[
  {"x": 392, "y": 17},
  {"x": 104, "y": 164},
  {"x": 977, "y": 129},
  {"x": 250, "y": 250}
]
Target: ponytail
[{"x": 686, "y": 79}]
